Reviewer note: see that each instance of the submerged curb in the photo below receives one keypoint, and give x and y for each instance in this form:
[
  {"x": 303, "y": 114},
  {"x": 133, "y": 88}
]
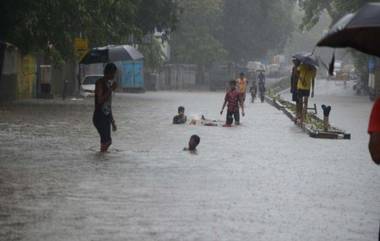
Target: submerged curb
[{"x": 333, "y": 133}]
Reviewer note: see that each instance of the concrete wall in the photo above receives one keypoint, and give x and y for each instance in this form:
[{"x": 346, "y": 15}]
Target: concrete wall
[
  {"x": 18, "y": 80},
  {"x": 26, "y": 77},
  {"x": 8, "y": 81},
  {"x": 20, "y": 76},
  {"x": 374, "y": 84},
  {"x": 374, "y": 78},
  {"x": 62, "y": 73},
  {"x": 177, "y": 77}
]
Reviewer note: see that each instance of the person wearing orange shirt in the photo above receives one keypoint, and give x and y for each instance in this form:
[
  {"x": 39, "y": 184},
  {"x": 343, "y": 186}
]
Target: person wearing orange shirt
[{"x": 242, "y": 84}]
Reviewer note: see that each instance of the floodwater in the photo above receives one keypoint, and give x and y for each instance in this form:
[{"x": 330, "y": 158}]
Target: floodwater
[{"x": 265, "y": 180}]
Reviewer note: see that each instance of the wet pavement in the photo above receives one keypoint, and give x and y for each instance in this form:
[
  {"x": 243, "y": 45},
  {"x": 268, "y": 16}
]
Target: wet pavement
[{"x": 264, "y": 180}]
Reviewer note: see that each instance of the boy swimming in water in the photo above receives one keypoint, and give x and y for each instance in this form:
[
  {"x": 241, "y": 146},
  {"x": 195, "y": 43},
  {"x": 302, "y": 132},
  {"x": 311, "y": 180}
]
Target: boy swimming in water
[
  {"x": 181, "y": 118},
  {"x": 193, "y": 143}
]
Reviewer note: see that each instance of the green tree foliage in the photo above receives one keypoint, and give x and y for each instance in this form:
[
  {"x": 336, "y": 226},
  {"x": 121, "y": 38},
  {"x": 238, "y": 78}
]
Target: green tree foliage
[
  {"x": 305, "y": 40},
  {"x": 33, "y": 25},
  {"x": 251, "y": 28},
  {"x": 194, "y": 40},
  {"x": 217, "y": 30},
  {"x": 335, "y": 8},
  {"x": 154, "y": 56}
]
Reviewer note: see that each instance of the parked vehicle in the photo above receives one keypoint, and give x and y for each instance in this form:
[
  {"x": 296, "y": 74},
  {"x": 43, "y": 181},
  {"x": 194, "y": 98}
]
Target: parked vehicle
[
  {"x": 273, "y": 70},
  {"x": 87, "y": 87},
  {"x": 253, "y": 66}
]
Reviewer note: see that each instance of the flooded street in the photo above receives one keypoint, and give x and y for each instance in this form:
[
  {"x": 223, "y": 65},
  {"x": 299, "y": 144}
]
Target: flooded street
[{"x": 265, "y": 180}]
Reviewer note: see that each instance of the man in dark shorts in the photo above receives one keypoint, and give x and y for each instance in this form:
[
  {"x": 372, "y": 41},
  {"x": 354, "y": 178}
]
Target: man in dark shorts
[
  {"x": 103, "y": 118},
  {"x": 233, "y": 99}
]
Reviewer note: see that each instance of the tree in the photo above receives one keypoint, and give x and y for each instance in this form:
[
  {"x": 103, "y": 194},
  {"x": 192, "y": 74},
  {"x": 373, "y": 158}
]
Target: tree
[
  {"x": 194, "y": 41},
  {"x": 251, "y": 28},
  {"x": 154, "y": 56},
  {"x": 35, "y": 25},
  {"x": 335, "y": 8},
  {"x": 304, "y": 41}
]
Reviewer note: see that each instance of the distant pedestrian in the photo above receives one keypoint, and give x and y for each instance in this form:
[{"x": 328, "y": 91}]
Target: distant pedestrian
[
  {"x": 193, "y": 143},
  {"x": 103, "y": 118},
  {"x": 181, "y": 118},
  {"x": 305, "y": 89},
  {"x": 261, "y": 83},
  {"x": 242, "y": 84},
  {"x": 232, "y": 99},
  {"x": 253, "y": 91}
]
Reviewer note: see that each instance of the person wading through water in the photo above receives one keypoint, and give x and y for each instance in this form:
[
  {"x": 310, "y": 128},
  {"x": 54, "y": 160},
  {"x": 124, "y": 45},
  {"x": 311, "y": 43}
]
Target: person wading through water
[
  {"x": 103, "y": 118},
  {"x": 233, "y": 99}
]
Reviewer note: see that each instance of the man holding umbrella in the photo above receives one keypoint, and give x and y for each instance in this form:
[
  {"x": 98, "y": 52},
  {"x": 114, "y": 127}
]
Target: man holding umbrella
[
  {"x": 305, "y": 88},
  {"x": 103, "y": 118}
]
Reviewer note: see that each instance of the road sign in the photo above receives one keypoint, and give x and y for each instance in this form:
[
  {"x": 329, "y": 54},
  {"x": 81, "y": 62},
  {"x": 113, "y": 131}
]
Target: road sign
[{"x": 80, "y": 46}]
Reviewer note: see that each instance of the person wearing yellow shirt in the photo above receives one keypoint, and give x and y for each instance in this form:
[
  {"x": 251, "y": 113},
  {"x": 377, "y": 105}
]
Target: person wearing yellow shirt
[
  {"x": 305, "y": 87},
  {"x": 242, "y": 84}
]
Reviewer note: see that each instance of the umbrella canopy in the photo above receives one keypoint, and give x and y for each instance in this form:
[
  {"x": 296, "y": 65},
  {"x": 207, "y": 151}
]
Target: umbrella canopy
[
  {"x": 310, "y": 61},
  {"x": 306, "y": 58},
  {"x": 302, "y": 55},
  {"x": 360, "y": 30},
  {"x": 111, "y": 53}
]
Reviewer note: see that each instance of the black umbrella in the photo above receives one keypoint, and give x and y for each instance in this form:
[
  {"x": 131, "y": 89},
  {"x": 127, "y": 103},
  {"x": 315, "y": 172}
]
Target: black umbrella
[
  {"x": 360, "y": 30},
  {"x": 111, "y": 53}
]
